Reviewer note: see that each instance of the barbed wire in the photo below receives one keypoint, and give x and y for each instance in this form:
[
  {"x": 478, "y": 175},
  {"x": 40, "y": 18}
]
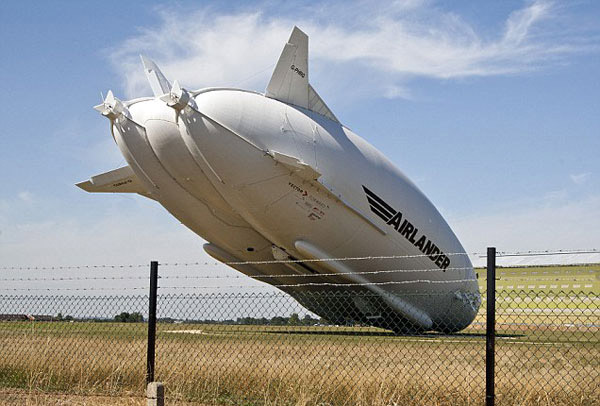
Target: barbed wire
[
  {"x": 262, "y": 277},
  {"x": 61, "y": 267},
  {"x": 72, "y": 289},
  {"x": 258, "y": 277},
  {"x": 76, "y": 278},
  {"x": 545, "y": 277},
  {"x": 257, "y": 262},
  {"x": 499, "y": 254},
  {"x": 348, "y": 284},
  {"x": 313, "y": 284},
  {"x": 316, "y": 275},
  {"x": 543, "y": 253},
  {"x": 313, "y": 260}
]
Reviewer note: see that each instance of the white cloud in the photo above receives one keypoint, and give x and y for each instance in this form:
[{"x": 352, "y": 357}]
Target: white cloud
[
  {"x": 520, "y": 22},
  {"x": 580, "y": 178},
  {"x": 202, "y": 49},
  {"x": 393, "y": 41}
]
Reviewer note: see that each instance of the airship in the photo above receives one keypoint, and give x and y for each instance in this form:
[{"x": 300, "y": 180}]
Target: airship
[{"x": 286, "y": 194}]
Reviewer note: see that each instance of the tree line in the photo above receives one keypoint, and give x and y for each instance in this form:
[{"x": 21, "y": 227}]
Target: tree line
[{"x": 293, "y": 320}]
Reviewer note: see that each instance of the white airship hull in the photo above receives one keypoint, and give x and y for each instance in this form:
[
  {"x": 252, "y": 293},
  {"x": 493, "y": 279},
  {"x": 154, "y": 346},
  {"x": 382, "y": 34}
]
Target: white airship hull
[
  {"x": 227, "y": 172},
  {"x": 264, "y": 180}
]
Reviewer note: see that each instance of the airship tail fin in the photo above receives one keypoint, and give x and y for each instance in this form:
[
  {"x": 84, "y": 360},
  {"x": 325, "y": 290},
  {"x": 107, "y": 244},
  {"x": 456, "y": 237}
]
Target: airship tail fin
[
  {"x": 289, "y": 82},
  {"x": 316, "y": 104},
  {"x": 121, "y": 180},
  {"x": 158, "y": 82}
]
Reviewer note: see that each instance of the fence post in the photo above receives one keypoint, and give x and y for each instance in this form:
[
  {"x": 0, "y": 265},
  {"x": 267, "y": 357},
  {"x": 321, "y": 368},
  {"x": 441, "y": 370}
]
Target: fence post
[
  {"x": 490, "y": 335},
  {"x": 152, "y": 322},
  {"x": 155, "y": 394}
]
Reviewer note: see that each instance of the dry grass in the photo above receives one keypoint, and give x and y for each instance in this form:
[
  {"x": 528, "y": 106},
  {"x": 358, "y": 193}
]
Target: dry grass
[
  {"x": 33, "y": 398},
  {"x": 381, "y": 372},
  {"x": 302, "y": 366}
]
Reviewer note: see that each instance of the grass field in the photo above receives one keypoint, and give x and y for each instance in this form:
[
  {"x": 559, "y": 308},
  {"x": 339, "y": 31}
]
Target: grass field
[
  {"x": 577, "y": 278},
  {"x": 35, "y": 398},
  {"x": 547, "y": 353}
]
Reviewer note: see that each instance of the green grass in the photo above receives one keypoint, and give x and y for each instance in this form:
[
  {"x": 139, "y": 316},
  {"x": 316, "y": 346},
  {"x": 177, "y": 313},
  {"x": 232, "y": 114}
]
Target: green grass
[
  {"x": 568, "y": 278},
  {"x": 115, "y": 331}
]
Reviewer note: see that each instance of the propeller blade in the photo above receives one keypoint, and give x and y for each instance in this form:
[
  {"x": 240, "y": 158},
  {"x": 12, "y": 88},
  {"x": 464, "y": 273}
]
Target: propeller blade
[
  {"x": 177, "y": 98},
  {"x": 111, "y": 107}
]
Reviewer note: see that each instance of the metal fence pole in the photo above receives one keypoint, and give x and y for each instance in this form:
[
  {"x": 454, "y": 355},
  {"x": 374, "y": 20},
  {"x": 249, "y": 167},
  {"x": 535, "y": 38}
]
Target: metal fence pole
[
  {"x": 152, "y": 322},
  {"x": 490, "y": 335}
]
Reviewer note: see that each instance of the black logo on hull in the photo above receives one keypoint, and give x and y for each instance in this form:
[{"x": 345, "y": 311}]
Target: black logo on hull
[{"x": 405, "y": 228}]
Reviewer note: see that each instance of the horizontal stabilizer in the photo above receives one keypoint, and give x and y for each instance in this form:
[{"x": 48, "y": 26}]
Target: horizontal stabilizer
[{"x": 122, "y": 180}]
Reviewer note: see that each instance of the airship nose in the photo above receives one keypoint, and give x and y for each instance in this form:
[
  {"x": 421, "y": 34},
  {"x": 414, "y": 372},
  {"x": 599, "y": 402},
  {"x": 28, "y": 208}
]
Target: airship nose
[{"x": 461, "y": 309}]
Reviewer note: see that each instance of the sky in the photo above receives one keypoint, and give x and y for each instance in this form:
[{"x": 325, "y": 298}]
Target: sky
[{"x": 491, "y": 108}]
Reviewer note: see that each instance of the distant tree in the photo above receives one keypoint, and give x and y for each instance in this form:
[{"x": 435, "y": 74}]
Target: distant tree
[
  {"x": 294, "y": 319},
  {"x": 122, "y": 318},
  {"x": 309, "y": 321},
  {"x": 279, "y": 321},
  {"x": 136, "y": 317},
  {"x": 59, "y": 317},
  {"x": 126, "y": 317}
]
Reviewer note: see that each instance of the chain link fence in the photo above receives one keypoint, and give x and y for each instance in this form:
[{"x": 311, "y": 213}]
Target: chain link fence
[
  {"x": 73, "y": 344},
  {"x": 549, "y": 347},
  {"x": 264, "y": 347}
]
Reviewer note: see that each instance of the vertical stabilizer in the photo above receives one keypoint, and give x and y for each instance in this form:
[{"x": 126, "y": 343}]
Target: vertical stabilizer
[
  {"x": 289, "y": 82},
  {"x": 158, "y": 82}
]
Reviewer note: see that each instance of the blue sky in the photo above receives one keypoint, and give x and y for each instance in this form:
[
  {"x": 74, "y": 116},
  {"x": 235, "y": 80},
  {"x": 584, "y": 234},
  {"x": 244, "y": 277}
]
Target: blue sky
[{"x": 492, "y": 108}]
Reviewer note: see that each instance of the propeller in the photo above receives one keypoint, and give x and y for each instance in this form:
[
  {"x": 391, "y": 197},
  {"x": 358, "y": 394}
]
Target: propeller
[
  {"x": 111, "y": 107},
  {"x": 178, "y": 98}
]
